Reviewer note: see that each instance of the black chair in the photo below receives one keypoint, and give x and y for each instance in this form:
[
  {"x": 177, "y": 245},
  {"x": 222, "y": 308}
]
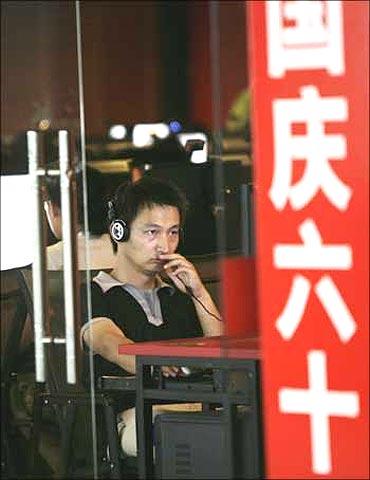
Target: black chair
[{"x": 17, "y": 359}]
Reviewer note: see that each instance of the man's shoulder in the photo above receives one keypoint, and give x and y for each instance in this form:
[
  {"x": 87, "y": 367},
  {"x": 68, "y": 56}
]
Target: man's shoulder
[
  {"x": 54, "y": 254},
  {"x": 96, "y": 288},
  {"x": 102, "y": 280},
  {"x": 101, "y": 286}
]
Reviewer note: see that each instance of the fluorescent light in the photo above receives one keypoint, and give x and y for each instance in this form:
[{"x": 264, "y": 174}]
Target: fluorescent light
[
  {"x": 117, "y": 132},
  {"x": 143, "y": 133}
]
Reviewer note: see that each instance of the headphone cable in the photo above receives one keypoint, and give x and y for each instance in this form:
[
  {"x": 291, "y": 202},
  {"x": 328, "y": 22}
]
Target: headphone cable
[{"x": 190, "y": 292}]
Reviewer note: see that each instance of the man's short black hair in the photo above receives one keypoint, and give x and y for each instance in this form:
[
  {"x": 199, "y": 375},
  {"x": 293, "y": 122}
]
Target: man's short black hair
[{"x": 130, "y": 198}]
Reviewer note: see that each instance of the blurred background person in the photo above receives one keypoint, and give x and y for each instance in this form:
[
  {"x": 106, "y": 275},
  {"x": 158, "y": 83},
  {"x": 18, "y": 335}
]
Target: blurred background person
[{"x": 95, "y": 254}]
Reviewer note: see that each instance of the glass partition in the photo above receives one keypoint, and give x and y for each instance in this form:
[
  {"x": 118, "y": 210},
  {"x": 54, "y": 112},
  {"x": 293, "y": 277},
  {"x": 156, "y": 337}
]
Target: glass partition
[
  {"x": 156, "y": 75},
  {"x": 145, "y": 88},
  {"x": 149, "y": 86},
  {"x": 231, "y": 96},
  {"x": 41, "y": 93}
]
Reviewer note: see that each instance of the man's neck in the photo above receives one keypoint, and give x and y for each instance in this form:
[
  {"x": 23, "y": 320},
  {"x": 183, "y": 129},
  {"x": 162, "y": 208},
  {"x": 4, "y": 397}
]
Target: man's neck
[{"x": 133, "y": 277}]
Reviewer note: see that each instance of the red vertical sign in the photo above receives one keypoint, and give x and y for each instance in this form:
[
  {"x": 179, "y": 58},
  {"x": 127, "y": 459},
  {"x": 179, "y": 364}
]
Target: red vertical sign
[{"x": 310, "y": 98}]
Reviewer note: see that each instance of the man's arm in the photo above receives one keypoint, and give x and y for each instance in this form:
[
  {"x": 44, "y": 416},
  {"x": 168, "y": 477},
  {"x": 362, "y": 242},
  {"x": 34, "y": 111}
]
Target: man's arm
[
  {"x": 103, "y": 337},
  {"x": 211, "y": 326},
  {"x": 186, "y": 278}
]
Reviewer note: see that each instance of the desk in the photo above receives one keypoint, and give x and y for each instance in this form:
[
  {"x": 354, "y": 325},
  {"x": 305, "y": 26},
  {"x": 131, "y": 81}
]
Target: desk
[{"x": 236, "y": 363}]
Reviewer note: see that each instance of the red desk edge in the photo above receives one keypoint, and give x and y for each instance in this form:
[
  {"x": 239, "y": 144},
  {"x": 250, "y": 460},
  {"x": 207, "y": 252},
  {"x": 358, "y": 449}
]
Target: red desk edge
[{"x": 205, "y": 347}]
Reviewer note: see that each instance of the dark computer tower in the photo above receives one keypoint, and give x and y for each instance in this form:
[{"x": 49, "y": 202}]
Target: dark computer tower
[{"x": 193, "y": 445}]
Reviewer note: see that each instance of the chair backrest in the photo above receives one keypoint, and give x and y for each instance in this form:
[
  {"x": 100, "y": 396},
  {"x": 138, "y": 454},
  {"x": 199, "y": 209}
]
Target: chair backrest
[{"x": 17, "y": 336}]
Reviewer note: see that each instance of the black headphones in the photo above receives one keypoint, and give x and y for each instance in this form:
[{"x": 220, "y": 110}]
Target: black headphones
[{"x": 118, "y": 228}]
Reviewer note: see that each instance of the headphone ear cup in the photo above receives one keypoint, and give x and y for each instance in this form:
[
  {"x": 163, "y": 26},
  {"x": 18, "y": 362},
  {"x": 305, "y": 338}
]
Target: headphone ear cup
[{"x": 119, "y": 230}]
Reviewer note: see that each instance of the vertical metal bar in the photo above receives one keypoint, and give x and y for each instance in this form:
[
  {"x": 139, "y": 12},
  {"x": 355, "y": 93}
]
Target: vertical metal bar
[
  {"x": 247, "y": 219},
  {"x": 142, "y": 420},
  {"x": 68, "y": 191},
  {"x": 88, "y": 274},
  {"x": 218, "y": 178},
  {"x": 39, "y": 260}
]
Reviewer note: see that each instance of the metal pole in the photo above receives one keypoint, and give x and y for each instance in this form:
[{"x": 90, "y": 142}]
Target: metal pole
[
  {"x": 71, "y": 293},
  {"x": 39, "y": 260},
  {"x": 246, "y": 192}
]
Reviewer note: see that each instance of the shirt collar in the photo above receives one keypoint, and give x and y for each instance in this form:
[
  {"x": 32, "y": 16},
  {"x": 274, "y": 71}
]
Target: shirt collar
[{"x": 106, "y": 282}]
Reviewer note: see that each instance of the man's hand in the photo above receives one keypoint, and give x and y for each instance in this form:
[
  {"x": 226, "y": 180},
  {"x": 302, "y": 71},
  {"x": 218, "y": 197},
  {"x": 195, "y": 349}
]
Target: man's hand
[
  {"x": 170, "y": 371},
  {"x": 182, "y": 273}
]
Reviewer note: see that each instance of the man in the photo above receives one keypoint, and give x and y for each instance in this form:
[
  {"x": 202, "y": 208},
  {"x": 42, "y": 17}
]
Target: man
[
  {"x": 98, "y": 254},
  {"x": 133, "y": 303}
]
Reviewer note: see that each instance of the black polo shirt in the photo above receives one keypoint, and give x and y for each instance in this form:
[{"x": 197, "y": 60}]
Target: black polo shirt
[{"x": 179, "y": 316}]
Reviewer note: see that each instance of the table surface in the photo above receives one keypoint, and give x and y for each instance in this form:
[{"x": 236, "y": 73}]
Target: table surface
[{"x": 207, "y": 347}]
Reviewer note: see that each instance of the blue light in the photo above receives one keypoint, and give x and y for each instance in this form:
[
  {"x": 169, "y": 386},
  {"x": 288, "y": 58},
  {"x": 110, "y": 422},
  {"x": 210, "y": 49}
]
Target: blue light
[{"x": 175, "y": 126}]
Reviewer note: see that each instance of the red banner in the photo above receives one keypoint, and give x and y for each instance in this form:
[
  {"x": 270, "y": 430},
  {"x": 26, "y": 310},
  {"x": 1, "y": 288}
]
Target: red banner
[
  {"x": 310, "y": 120},
  {"x": 239, "y": 297}
]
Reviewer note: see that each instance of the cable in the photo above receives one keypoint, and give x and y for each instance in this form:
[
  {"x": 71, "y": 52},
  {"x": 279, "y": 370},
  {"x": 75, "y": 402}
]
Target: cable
[
  {"x": 190, "y": 292},
  {"x": 205, "y": 308}
]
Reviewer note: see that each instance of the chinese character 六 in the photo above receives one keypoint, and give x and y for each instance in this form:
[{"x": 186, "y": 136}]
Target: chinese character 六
[
  {"x": 315, "y": 147},
  {"x": 320, "y": 404},
  {"x": 314, "y": 255},
  {"x": 314, "y": 41}
]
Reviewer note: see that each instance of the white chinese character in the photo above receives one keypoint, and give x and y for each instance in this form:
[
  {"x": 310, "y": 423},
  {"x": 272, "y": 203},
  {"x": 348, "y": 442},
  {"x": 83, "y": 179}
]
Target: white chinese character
[
  {"x": 312, "y": 254},
  {"x": 315, "y": 41},
  {"x": 320, "y": 404},
  {"x": 290, "y": 318},
  {"x": 314, "y": 146}
]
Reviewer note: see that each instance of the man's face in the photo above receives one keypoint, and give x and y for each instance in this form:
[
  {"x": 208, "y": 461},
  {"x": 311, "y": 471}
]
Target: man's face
[{"x": 153, "y": 232}]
